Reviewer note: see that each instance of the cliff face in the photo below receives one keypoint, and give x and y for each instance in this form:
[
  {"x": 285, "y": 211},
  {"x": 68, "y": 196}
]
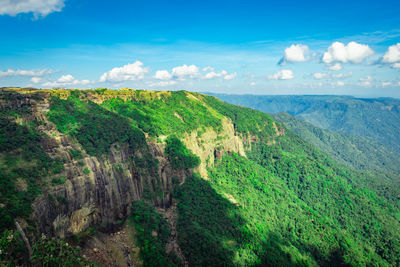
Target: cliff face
[{"x": 101, "y": 190}]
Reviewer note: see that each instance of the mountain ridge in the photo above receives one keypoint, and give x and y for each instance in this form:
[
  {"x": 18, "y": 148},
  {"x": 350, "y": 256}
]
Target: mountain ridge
[{"x": 111, "y": 154}]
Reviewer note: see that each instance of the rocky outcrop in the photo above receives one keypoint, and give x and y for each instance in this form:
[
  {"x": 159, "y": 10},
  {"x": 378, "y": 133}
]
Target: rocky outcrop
[
  {"x": 209, "y": 144},
  {"x": 100, "y": 190}
]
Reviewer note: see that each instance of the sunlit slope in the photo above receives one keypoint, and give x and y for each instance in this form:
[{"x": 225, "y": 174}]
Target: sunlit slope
[{"x": 248, "y": 190}]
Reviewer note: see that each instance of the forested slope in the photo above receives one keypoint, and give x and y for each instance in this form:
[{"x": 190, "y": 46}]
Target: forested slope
[
  {"x": 240, "y": 188},
  {"x": 377, "y": 118}
]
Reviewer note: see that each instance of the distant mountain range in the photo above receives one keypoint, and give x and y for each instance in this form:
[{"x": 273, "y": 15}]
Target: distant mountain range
[{"x": 377, "y": 118}]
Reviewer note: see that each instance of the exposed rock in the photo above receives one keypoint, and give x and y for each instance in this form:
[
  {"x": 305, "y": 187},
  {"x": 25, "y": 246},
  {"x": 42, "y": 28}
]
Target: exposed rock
[
  {"x": 101, "y": 190},
  {"x": 210, "y": 141}
]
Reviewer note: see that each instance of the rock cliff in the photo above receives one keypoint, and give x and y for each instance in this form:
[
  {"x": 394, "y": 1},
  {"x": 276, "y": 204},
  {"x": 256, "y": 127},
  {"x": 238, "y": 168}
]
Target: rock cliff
[{"x": 100, "y": 190}]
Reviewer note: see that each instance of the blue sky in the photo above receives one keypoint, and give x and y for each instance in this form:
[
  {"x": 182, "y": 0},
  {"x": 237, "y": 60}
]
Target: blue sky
[{"x": 259, "y": 47}]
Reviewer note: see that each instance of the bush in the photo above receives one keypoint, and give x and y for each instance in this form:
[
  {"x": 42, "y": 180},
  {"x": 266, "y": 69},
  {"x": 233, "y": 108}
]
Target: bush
[
  {"x": 58, "y": 181},
  {"x": 179, "y": 156}
]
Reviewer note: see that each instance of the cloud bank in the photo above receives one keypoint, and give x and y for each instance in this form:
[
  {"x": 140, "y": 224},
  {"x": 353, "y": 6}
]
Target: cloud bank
[
  {"x": 39, "y": 8},
  {"x": 129, "y": 72}
]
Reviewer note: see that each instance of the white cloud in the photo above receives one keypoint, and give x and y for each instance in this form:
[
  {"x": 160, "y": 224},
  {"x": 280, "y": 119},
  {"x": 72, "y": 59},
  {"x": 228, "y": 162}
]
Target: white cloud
[
  {"x": 396, "y": 66},
  {"x": 184, "y": 71},
  {"x": 320, "y": 75},
  {"x": 212, "y": 74},
  {"x": 336, "y": 67},
  {"x": 352, "y": 52},
  {"x": 65, "y": 81},
  {"x": 295, "y": 53},
  {"x": 366, "y": 81},
  {"x": 31, "y": 73},
  {"x": 230, "y": 76},
  {"x": 252, "y": 83},
  {"x": 163, "y": 75},
  {"x": 208, "y": 68},
  {"x": 36, "y": 79},
  {"x": 384, "y": 84},
  {"x": 340, "y": 83},
  {"x": 129, "y": 72},
  {"x": 282, "y": 75},
  {"x": 37, "y": 7},
  {"x": 392, "y": 55},
  {"x": 342, "y": 75},
  {"x": 162, "y": 83}
]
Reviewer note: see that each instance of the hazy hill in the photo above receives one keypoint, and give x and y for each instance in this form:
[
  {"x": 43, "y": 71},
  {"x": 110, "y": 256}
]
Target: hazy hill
[
  {"x": 378, "y": 118},
  {"x": 358, "y": 152},
  {"x": 198, "y": 181}
]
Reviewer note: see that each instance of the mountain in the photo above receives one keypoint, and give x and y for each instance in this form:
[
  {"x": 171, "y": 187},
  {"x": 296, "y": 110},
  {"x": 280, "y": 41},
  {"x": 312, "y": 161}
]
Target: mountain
[
  {"x": 357, "y": 152},
  {"x": 178, "y": 178},
  {"x": 377, "y": 118}
]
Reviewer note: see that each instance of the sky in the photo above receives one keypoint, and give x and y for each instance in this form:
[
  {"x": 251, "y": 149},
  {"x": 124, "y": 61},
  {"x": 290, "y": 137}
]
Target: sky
[{"x": 236, "y": 47}]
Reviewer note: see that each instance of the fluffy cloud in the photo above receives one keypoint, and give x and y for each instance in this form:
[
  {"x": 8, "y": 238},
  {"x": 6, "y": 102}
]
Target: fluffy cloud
[
  {"x": 295, "y": 53},
  {"x": 366, "y": 81},
  {"x": 392, "y": 55},
  {"x": 336, "y": 67},
  {"x": 396, "y": 66},
  {"x": 162, "y": 83},
  {"x": 208, "y": 68},
  {"x": 31, "y": 73},
  {"x": 163, "y": 75},
  {"x": 37, "y": 7},
  {"x": 36, "y": 79},
  {"x": 212, "y": 74},
  {"x": 340, "y": 83},
  {"x": 65, "y": 81},
  {"x": 352, "y": 52},
  {"x": 184, "y": 71},
  {"x": 230, "y": 76},
  {"x": 129, "y": 72},
  {"x": 320, "y": 75},
  {"x": 282, "y": 75}
]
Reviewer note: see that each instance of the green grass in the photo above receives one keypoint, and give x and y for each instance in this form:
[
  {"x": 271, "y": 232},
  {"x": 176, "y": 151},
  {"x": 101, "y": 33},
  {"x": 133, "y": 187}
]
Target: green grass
[{"x": 172, "y": 113}]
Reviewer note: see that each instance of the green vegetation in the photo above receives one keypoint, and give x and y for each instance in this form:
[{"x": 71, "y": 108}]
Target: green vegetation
[
  {"x": 179, "y": 156},
  {"x": 56, "y": 252},
  {"x": 378, "y": 118},
  {"x": 86, "y": 170},
  {"x": 286, "y": 203},
  {"x": 45, "y": 252},
  {"x": 152, "y": 232},
  {"x": 166, "y": 113},
  {"x": 358, "y": 152},
  {"x": 76, "y": 154},
  {"x": 58, "y": 181},
  {"x": 95, "y": 128},
  {"x": 23, "y": 164},
  {"x": 222, "y": 221}
]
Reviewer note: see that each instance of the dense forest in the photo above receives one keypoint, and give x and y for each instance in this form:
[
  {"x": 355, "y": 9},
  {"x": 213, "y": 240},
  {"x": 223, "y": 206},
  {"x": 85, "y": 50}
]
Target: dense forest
[
  {"x": 287, "y": 199},
  {"x": 377, "y": 118}
]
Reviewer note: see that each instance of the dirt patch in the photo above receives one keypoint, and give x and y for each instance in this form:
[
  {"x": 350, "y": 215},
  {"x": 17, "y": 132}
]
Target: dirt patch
[
  {"x": 114, "y": 249},
  {"x": 171, "y": 215}
]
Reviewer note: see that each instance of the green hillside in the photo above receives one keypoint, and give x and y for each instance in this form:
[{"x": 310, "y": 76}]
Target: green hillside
[
  {"x": 377, "y": 118},
  {"x": 247, "y": 191}
]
